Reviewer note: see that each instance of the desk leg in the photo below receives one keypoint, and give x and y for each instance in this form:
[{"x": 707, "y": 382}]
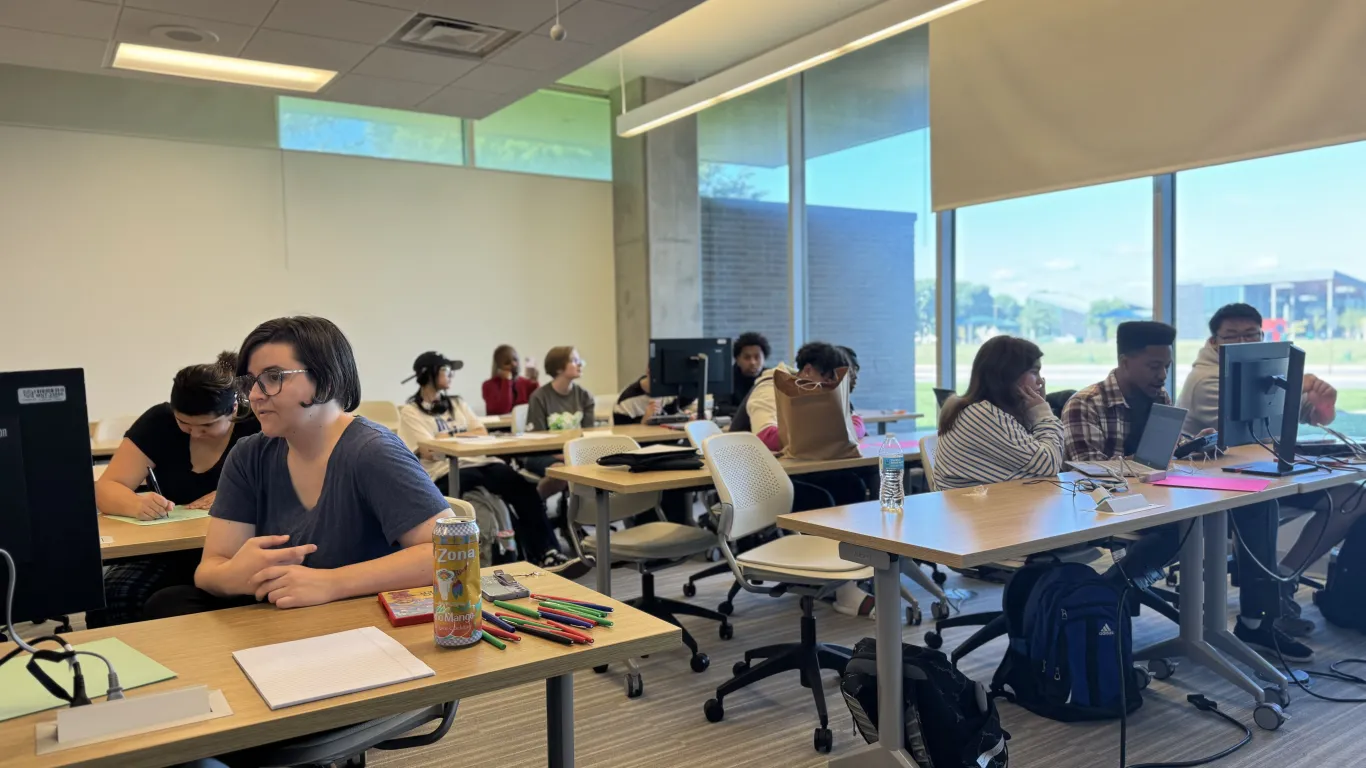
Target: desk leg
[
  {"x": 453, "y": 478},
  {"x": 1191, "y": 642},
  {"x": 1216, "y": 594},
  {"x": 882, "y": 427},
  {"x": 889, "y": 751},
  {"x": 559, "y": 725},
  {"x": 602, "y": 533}
]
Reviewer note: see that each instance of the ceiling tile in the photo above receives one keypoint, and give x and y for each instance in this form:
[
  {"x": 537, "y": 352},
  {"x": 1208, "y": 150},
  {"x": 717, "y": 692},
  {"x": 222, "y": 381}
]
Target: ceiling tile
[
  {"x": 76, "y": 18},
  {"x": 305, "y": 51},
  {"x": 540, "y": 52},
  {"x": 251, "y": 12},
  {"x": 338, "y": 19},
  {"x": 378, "y": 91},
  {"x": 135, "y": 26},
  {"x": 40, "y": 49},
  {"x": 495, "y": 79},
  {"x": 594, "y": 21},
  {"x": 459, "y": 102},
  {"x": 410, "y": 65},
  {"x": 521, "y": 15},
  {"x": 407, "y": 5}
]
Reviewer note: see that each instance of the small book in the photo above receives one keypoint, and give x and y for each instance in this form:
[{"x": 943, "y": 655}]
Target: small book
[
  {"x": 322, "y": 667},
  {"x": 407, "y": 606}
]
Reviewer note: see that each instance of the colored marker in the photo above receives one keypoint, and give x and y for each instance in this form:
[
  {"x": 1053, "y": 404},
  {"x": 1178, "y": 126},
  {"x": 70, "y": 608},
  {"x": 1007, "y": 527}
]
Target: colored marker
[
  {"x": 546, "y": 634},
  {"x": 579, "y": 636},
  {"x": 525, "y": 611},
  {"x": 571, "y": 608},
  {"x": 576, "y": 614},
  {"x": 493, "y": 641},
  {"x": 573, "y": 621},
  {"x": 497, "y": 622},
  {"x": 545, "y": 627},
  {"x": 503, "y": 634},
  {"x": 594, "y": 606},
  {"x": 575, "y": 606}
]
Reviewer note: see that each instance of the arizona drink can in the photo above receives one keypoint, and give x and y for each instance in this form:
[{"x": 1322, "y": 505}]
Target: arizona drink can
[{"x": 456, "y": 596}]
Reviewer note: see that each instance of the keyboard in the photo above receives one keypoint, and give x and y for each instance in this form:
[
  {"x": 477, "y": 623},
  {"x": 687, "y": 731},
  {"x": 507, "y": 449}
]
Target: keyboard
[{"x": 1105, "y": 468}]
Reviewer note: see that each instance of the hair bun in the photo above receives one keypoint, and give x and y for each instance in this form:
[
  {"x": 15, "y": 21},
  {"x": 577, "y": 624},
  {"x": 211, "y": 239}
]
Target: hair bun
[{"x": 227, "y": 361}]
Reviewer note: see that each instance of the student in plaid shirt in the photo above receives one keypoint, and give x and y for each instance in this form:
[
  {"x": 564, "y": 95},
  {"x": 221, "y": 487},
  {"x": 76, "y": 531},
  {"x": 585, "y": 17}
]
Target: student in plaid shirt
[{"x": 1105, "y": 421}]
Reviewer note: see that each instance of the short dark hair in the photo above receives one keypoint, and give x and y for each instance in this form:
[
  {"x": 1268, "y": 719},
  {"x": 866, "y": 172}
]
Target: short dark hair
[
  {"x": 320, "y": 346},
  {"x": 851, "y": 354},
  {"x": 753, "y": 339},
  {"x": 1235, "y": 311},
  {"x": 557, "y": 359},
  {"x": 1137, "y": 335},
  {"x": 825, "y": 357},
  {"x": 206, "y": 389}
]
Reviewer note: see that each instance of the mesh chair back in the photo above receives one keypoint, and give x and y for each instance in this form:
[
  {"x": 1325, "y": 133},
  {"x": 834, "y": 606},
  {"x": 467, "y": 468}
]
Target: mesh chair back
[{"x": 750, "y": 480}]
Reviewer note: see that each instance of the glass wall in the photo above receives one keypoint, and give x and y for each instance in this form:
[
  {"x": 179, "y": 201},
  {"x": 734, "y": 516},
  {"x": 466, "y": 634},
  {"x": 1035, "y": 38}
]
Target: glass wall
[
  {"x": 743, "y": 183},
  {"x": 1285, "y": 235},
  {"x": 548, "y": 132},
  {"x": 348, "y": 129},
  {"x": 870, "y": 271},
  {"x": 1062, "y": 269}
]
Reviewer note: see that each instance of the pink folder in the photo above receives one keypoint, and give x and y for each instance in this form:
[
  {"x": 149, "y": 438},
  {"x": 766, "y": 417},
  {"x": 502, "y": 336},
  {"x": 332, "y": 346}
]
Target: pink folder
[{"x": 1244, "y": 484}]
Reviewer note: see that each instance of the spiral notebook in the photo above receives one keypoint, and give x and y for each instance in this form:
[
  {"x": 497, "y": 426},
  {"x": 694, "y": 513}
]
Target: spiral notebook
[{"x": 315, "y": 668}]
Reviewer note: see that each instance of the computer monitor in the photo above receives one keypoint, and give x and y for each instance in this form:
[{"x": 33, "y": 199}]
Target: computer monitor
[
  {"x": 1259, "y": 402},
  {"x": 48, "y": 522},
  {"x": 692, "y": 368}
]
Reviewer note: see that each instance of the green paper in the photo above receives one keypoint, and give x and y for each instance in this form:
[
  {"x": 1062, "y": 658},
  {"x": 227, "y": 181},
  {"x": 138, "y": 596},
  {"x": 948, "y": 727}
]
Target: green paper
[
  {"x": 177, "y": 515},
  {"x": 24, "y": 695}
]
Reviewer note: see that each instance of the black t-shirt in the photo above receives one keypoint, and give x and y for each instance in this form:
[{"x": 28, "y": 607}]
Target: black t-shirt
[
  {"x": 159, "y": 437},
  {"x": 1140, "y": 407}
]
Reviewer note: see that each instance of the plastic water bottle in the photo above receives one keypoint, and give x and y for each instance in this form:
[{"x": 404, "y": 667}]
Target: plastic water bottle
[{"x": 891, "y": 465}]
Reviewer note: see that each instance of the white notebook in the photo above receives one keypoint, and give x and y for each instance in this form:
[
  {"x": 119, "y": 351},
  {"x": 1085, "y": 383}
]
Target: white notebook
[{"x": 321, "y": 667}]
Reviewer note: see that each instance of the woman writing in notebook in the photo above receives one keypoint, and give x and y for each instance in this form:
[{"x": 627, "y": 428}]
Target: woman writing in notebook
[
  {"x": 320, "y": 506},
  {"x": 178, "y": 449}
]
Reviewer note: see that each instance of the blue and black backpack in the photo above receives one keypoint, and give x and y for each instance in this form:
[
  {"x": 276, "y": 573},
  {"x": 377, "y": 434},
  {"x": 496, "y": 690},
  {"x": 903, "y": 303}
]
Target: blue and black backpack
[{"x": 1070, "y": 643}]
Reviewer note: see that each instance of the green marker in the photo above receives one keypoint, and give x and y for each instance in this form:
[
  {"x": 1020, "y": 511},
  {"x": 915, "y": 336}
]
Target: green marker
[
  {"x": 495, "y": 642},
  {"x": 570, "y": 607},
  {"x": 567, "y": 609},
  {"x": 532, "y": 612}
]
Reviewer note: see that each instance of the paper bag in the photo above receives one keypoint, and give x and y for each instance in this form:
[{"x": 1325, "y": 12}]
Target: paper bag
[{"x": 814, "y": 418}]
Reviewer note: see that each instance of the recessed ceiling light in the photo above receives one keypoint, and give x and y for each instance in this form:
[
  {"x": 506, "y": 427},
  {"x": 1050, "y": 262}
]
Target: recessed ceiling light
[{"x": 225, "y": 69}]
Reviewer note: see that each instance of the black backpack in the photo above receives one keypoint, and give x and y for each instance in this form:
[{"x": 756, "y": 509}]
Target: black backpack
[
  {"x": 1063, "y": 621},
  {"x": 1342, "y": 597},
  {"x": 950, "y": 720}
]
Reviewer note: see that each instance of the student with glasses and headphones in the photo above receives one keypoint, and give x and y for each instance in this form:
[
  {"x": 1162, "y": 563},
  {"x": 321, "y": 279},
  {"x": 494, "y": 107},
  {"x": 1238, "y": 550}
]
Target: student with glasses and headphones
[
  {"x": 431, "y": 413},
  {"x": 183, "y": 444},
  {"x": 322, "y": 505}
]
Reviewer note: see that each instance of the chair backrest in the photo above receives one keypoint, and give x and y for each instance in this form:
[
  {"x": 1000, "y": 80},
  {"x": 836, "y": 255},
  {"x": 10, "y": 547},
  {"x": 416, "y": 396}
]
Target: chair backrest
[
  {"x": 699, "y": 431},
  {"x": 109, "y": 430},
  {"x": 461, "y": 507},
  {"x": 928, "y": 445},
  {"x": 586, "y": 451},
  {"x": 519, "y": 419},
  {"x": 381, "y": 412},
  {"x": 750, "y": 480}
]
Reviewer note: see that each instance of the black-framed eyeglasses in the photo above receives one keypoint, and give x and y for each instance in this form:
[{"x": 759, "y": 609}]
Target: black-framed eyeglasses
[
  {"x": 271, "y": 382},
  {"x": 1243, "y": 338}
]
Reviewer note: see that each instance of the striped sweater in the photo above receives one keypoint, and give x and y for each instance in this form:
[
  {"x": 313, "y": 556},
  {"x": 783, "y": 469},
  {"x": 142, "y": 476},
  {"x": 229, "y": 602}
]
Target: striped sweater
[{"x": 988, "y": 445}]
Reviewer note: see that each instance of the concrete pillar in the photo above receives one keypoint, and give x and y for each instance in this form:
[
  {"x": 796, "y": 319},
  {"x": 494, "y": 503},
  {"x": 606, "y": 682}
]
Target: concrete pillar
[{"x": 657, "y": 231}]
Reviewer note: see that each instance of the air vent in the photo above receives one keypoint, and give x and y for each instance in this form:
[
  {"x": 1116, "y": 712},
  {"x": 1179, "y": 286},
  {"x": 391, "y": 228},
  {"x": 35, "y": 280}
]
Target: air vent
[{"x": 434, "y": 34}]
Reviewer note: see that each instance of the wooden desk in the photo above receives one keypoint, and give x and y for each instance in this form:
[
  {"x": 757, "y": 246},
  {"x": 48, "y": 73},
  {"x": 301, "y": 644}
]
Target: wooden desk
[
  {"x": 104, "y": 449},
  {"x": 883, "y": 418},
  {"x": 138, "y": 540},
  {"x": 199, "y": 649}
]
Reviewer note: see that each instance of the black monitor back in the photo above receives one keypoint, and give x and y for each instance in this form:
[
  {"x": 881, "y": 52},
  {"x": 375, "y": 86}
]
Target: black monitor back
[
  {"x": 48, "y": 521},
  {"x": 674, "y": 370}
]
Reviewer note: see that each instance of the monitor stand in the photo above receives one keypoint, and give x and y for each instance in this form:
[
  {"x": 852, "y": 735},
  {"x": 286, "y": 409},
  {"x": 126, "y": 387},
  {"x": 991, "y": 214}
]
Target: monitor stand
[{"x": 1271, "y": 469}]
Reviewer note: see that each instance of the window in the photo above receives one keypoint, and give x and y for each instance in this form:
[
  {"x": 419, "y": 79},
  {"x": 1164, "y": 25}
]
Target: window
[
  {"x": 349, "y": 129},
  {"x": 742, "y": 180},
  {"x": 870, "y": 254},
  {"x": 1283, "y": 234},
  {"x": 1061, "y": 269},
  {"x": 551, "y": 133}
]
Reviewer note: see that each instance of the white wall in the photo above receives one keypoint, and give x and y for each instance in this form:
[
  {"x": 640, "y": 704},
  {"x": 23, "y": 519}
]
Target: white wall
[{"x": 132, "y": 257}]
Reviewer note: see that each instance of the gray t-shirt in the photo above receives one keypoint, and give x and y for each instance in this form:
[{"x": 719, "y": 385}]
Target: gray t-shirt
[
  {"x": 546, "y": 402},
  {"x": 374, "y": 492}
]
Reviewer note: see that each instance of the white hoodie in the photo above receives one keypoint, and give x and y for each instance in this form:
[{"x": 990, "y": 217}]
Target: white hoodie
[{"x": 1200, "y": 393}]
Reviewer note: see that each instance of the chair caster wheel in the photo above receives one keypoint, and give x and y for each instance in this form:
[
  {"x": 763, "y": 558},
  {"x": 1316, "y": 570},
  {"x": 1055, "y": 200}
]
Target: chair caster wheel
[
  {"x": 1268, "y": 717},
  {"x": 1145, "y": 678},
  {"x": 713, "y": 710},
  {"x": 939, "y": 577},
  {"x": 740, "y": 668},
  {"x": 1278, "y": 696},
  {"x": 825, "y": 740},
  {"x": 700, "y": 662},
  {"x": 726, "y": 608},
  {"x": 939, "y": 610},
  {"x": 635, "y": 686},
  {"x": 933, "y": 640},
  {"x": 727, "y": 631},
  {"x": 1161, "y": 669},
  {"x": 689, "y": 589},
  {"x": 1171, "y": 578},
  {"x": 913, "y": 616},
  {"x": 601, "y": 669}
]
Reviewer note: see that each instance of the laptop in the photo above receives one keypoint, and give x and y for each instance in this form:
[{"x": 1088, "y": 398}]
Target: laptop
[{"x": 1155, "y": 447}]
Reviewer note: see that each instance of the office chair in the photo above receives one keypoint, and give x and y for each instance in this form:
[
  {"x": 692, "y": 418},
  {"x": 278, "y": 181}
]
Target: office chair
[
  {"x": 346, "y": 747},
  {"x": 519, "y": 418},
  {"x": 754, "y": 490},
  {"x": 382, "y": 412},
  {"x": 650, "y": 546},
  {"x": 698, "y": 433}
]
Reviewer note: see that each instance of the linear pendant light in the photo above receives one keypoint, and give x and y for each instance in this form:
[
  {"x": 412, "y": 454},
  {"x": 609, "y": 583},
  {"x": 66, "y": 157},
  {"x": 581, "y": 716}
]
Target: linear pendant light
[
  {"x": 844, "y": 36},
  {"x": 224, "y": 69}
]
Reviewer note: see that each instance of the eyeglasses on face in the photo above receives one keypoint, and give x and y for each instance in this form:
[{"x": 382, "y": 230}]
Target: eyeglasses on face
[
  {"x": 1241, "y": 338},
  {"x": 271, "y": 381}
]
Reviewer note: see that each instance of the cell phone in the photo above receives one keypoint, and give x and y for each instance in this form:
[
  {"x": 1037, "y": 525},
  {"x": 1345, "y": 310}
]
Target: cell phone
[
  {"x": 1196, "y": 445},
  {"x": 501, "y": 586}
]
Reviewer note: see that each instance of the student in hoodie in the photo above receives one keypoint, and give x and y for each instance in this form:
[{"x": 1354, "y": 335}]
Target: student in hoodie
[
  {"x": 1335, "y": 508},
  {"x": 751, "y": 351}
]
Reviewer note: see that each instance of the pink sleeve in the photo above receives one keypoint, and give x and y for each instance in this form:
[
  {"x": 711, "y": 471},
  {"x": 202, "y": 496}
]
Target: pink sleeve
[
  {"x": 859, "y": 430},
  {"x": 769, "y": 436}
]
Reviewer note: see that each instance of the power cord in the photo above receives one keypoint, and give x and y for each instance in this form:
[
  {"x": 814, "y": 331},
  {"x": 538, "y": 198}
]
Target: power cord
[{"x": 78, "y": 696}]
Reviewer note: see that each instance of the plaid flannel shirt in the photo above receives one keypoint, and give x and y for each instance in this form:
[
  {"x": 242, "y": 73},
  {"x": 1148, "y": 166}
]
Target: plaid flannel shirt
[{"x": 1096, "y": 421}]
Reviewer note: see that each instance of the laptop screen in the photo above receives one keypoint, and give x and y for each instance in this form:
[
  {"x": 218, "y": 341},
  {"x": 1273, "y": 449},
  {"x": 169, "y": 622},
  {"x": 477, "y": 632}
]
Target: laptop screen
[{"x": 1160, "y": 436}]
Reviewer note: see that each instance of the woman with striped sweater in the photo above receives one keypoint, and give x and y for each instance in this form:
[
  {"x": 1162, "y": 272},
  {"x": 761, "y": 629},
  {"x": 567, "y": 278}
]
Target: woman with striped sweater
[{"x": 1001, "y": 429}]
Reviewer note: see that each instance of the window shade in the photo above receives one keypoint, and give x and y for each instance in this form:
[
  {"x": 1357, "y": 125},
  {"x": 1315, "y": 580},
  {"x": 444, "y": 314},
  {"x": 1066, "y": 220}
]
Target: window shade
[{"x": 1031, "y": 96}]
